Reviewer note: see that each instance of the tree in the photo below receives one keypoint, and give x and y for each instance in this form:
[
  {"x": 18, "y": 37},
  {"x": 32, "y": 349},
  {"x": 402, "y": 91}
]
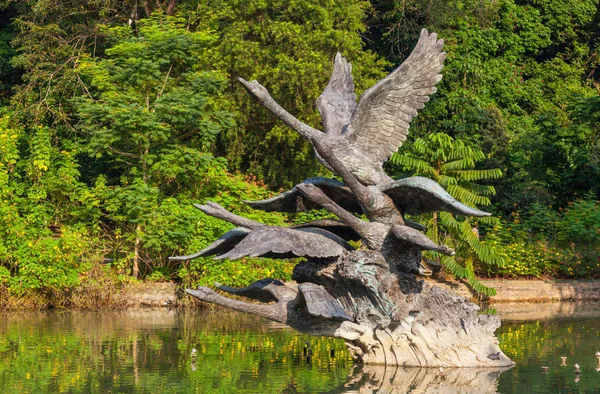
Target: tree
[
  {"x": 512, "y": 73},
  {"x": 289, "y": 48},
  {"x": 451, "y": 163},
  {"x": 150, "y": 117}
]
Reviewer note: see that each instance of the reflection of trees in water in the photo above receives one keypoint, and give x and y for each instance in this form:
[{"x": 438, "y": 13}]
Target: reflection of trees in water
[
  {"x": 150, "y": 351},
  {"x": 542, "y": 343},
  {"x": 531, "y": 341}
]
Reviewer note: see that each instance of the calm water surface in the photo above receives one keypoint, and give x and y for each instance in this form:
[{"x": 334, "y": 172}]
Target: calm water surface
[{"x": 151, "y": 352}]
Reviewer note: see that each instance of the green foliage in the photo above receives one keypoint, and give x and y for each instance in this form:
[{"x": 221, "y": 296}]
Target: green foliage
[
  {"x": 49, "y": 264},
  {"x": 117, "y": 125},
  {"x": 4, "y": 275},
  {"x": 151, "y": 114},
  {"x": 544, "y": 243},
  {"x": 451, "y": 163},
  {"x": 151, "y": 108},
  {"x": 289, "y": 48},
  {"x": 514, "y": 72},
  {"x": 31, "y": 257},
  {"x": 580, "y": 223},
  {"x": 525, "y": 259}
]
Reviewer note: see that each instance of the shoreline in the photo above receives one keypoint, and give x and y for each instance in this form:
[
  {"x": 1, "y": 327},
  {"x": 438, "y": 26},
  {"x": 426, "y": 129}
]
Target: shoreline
[{"x": 529, "y": 293}]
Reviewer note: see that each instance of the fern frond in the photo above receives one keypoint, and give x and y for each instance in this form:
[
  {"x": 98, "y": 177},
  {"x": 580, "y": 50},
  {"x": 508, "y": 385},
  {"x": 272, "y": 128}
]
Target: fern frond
[
  {"x": 480, "y": 287},
  {"x": 459, "y": 164},
  {"x": 445, "y": 180},
  {"x": 422, "y": 147},
  {"x": 409, "y": 162},
  {"x": 449, "y": 221},
  {"x": 489, "y": 220},
  {"x": 466, "y": 196},
  {"x": 433, "y": 230},
  {"x": 475, "y": 283},
  {"x": 484, "y": 190},
  {"x": 484, "y": 252},
  {"x": 456, "y": 269},
  {"x": 476, "y": 175},
  {"x": 462, "y": 151},
  {"x": 442, "y": 140}
]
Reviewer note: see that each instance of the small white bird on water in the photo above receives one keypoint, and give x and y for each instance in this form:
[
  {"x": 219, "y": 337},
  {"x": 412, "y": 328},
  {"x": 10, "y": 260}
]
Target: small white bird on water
[{"x": 577, "y": 370}]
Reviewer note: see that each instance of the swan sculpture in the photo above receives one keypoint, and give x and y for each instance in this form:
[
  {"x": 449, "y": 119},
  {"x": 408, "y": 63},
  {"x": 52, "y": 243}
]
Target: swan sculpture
[{"x": 369, "y": 296}]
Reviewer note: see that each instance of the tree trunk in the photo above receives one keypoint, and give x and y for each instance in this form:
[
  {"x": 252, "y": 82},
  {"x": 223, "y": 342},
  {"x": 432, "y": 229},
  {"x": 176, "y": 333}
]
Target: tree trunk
[
  {"x": 170, "y": 10},
  {"x": 135, "y": 272}
]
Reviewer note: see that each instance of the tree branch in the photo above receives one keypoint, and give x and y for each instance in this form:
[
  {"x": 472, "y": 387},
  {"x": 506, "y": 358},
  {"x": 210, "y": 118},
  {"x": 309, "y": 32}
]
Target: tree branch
[
  {"x": 162, "y": 89},
  {"x": 147, "y": 8}
]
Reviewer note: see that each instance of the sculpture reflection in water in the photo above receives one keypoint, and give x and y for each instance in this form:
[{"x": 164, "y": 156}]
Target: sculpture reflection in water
[
  {"x": 371, "y": 379},
  {"x": 371, "y": 297}
]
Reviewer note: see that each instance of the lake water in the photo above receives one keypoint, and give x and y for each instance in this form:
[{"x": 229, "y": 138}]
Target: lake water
[{"x": 150, "y": 351}]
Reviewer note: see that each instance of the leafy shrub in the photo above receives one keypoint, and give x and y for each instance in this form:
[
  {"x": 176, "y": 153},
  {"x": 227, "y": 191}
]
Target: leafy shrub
[
  {"x": 4, "y": 275},
  {"x": 524, "y": 259},
  {"x": 49, "y": 264},
  {"x": 525, "y": 256},
  {"x": 579, "y": 262},
  {"x": 580, "y": 223}
]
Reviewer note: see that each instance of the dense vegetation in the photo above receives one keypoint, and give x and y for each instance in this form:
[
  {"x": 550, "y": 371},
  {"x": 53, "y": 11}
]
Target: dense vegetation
[{"x": 116, "y": 116}]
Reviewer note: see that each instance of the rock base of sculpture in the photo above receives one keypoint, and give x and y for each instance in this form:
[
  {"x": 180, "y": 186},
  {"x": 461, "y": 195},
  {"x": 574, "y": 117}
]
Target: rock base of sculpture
[
  {"x": 441, "y": 330},
  {"x": 385, "y": 316}
]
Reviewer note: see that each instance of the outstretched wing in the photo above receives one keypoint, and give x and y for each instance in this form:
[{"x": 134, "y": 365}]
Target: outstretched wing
[
  {"x": 293, "y": 201},
  {"x": 264, "y": 290},
  {"x": 338, "y": 101},
  {"x": 320, "y": 303},
  {"x": 335, "y": 226},
  {"x": 417, "y": 195},
  {"x": 222, "y": 245},
  {"x": 279, "y": 242},
  {"x": 381, "y": 121}
]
